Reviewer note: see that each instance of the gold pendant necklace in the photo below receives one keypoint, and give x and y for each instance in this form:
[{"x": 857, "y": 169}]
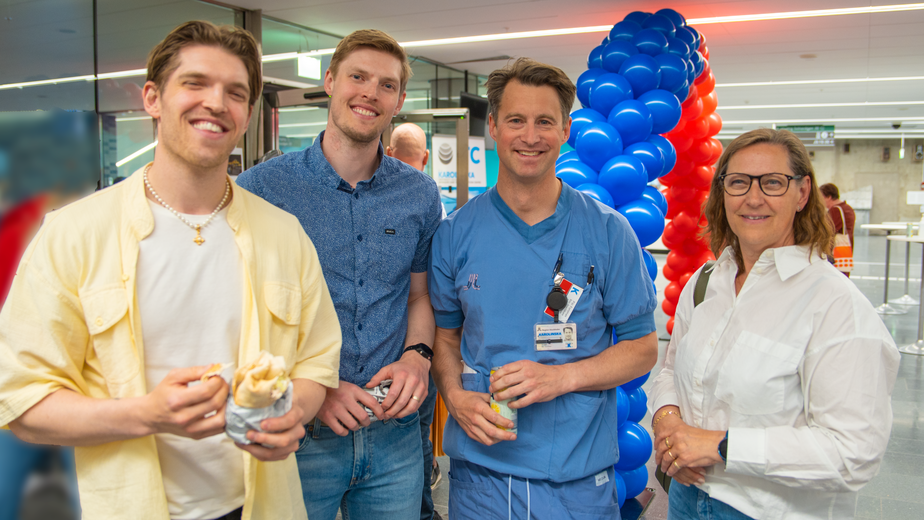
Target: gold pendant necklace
[{"x": 198, "y": 227}]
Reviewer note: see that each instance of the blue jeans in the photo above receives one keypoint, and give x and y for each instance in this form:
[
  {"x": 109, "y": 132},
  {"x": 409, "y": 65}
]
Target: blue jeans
[
  {"x": 426, "y": 419},
  {"x": 20, "y": 459},
  {"x": 477, "y": 493},
  {"x": 370, "y": 474},
  {"x": 689, "y": 503}
]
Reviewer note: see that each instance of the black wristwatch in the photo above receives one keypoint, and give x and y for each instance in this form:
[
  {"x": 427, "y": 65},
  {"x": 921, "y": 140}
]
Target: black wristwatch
[
  {"x": 422, "y": 349},
  {"x": 723, "y": 448}
]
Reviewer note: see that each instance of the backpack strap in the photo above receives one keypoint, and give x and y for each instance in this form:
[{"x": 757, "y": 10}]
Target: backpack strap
[
  {"x": 843, "y": 221},
  {"x": 699, "y": 291}
]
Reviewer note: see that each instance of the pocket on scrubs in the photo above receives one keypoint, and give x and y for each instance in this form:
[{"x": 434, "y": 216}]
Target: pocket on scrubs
[
  {"x": 472, "y": 501},
  {"x": 580, "y": 435},
  {"x": 754, "y": 376},
  {"x": 579, "y": 511}
]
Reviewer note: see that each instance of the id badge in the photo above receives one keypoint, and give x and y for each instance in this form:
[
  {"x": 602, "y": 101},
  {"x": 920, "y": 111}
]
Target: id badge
[
  {"x": 573, "y": 293},
  {"x": 556, "y": 336}
]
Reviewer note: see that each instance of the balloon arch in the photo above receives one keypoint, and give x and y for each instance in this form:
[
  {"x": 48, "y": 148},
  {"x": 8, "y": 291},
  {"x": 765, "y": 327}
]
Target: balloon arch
[{"x": 648, "y": 115}]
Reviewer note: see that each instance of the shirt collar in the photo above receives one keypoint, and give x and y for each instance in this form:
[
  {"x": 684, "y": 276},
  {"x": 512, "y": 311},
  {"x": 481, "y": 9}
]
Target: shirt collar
[
  {"x": 789, "y": 260},
  {"x": 531, "y": 233},
  {"x": 320, "y": 167}
]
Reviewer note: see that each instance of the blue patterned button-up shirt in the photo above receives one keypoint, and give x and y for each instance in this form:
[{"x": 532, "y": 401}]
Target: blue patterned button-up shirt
[{"x": 369, "y": 240}]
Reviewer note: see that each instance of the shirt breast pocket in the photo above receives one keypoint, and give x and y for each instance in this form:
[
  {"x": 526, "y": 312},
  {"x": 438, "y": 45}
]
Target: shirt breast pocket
[
  {"x": 284, "y": 301},
  {"x": 576, "y": 267},
  {"x": 753, "y": 379},
  {"x": 391, "y": 253},
  {"x": 106, "y": 314}
]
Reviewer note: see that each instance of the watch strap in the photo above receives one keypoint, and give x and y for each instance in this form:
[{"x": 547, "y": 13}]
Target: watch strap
[{"x": 421, "y": 348}]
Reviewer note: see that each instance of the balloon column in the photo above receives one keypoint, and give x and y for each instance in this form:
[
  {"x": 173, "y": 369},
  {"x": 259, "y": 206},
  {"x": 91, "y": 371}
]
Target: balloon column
[{"x": 648, "y": 114}]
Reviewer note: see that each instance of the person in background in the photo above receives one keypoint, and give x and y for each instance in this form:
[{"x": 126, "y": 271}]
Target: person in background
[
  {"x": 492, "y": 271},
  {"x": 125, "y": 297},
  {"x": 831, "y": 197},
  {"x": 774, "y": 401},
  {"x": 372, "y": 218},
  {"x": 409, "y": 145}
]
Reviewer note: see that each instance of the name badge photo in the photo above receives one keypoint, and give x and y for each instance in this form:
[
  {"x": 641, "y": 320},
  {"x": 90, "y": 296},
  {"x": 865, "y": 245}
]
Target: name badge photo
[{"x": 556, "y": 336}]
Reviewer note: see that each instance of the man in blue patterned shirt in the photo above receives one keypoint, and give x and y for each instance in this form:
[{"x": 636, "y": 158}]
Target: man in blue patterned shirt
[{"x": 371, "y": 218}]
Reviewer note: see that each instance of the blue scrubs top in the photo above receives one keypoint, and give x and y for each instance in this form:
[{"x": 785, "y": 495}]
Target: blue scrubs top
[{"x": 490, "y": 274}]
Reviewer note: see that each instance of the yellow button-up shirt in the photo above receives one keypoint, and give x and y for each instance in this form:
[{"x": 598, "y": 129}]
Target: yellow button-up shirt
[{"x": 71, "y": 321}]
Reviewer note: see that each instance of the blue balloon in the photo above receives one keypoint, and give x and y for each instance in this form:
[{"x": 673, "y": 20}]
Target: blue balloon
[
  {"x": 638, "y": 17},
  {"x": 606, "y": 39},
  {"x": 632, "y": 119},
  {"x": 691, "y": 74},
  {"x": 642, "y": 72},
  {"x": 575, "y": 173},
  {"x": 674, "y": 16},
  {"x": 622, "y": 407},
  {"x": 634, "y": 447},
  {"x": 620, "y": 485},
  {"x": 668, "y": 153},
  {"x": 650, "y": 42},
  {"x": 635, "y": 383},
  {"x": 624, "y": 30},
  {"x": 595, "y": 191},
  {"x": 624, "y": 177},
  {"x": 650, "y": 263},
  {"x": 660, "y": 23},
  {"x": 649, "y": 154},
  {"x": 585, "y": 83},
  {"x": 664, "y": 108},
  {"x": 645, "y": 219},
  {"x": 616, "y": 52},
  {"x": 635, "y": 481},
  {"x": 679, "y": 48},
  {"x": 595, "y": 59},
  {"x": 699, "y": 64},
  {"x": 657, "y": 198},
  {"x": 609, "y": 90},
  {"x": 580, "y": 118},
  {"x": 638, "y": 405},
  {"x": 673, "y": 71},
  {"x": 568, "y": 156},
  {"x": 598, "y": 143},
  {"x": 689, "y": 36}
]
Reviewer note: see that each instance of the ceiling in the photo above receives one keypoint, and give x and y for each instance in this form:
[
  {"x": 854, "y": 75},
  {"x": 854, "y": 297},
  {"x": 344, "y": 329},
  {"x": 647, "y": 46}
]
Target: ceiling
[{"x": 830, "y": 47}]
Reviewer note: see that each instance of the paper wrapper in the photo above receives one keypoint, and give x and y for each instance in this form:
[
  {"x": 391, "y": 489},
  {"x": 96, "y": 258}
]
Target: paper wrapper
[{"x": 238, "y": 420}]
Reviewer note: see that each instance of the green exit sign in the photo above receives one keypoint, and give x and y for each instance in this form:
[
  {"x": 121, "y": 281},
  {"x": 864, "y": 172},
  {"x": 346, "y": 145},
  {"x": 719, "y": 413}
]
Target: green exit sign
[{"x": 813, "y": 136}]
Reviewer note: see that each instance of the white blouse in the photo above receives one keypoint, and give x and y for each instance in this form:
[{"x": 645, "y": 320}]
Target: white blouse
[{"x": 799, "y": 369}]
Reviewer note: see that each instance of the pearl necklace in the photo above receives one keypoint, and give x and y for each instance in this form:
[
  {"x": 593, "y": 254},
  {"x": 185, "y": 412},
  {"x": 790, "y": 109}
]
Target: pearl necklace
[{"x": 198, "y": 227}]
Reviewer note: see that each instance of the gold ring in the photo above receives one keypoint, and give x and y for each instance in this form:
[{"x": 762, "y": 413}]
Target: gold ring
[
  {"x": 414, "y": 397},
  {"x": 667, "y": 442},
  {"x": 671, "y": 454},
  {"x": 675, "y": 464}
]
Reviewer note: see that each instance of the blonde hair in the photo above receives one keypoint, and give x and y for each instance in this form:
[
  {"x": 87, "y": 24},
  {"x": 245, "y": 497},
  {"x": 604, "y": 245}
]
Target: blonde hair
[
  {"x": 810, "y": 226},
  {"x": 377, "y": 40}
]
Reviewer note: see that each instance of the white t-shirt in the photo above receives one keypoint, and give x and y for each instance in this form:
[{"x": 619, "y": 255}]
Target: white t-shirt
[{"x": 189, "y": 297}]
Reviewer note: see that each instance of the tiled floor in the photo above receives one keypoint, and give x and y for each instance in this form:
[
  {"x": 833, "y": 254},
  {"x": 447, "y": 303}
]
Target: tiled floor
[{"x": 897, "y": 493}]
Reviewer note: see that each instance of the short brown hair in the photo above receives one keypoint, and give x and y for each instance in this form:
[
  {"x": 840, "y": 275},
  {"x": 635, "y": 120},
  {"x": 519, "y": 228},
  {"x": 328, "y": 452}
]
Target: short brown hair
[
  {"x": 811, "y": 225},
  {"x": 162, "y": 61},
  {"x": 830, "y": 190},
  {"x": 534, "y": 74},
  {"x": 377, "y": 40}
]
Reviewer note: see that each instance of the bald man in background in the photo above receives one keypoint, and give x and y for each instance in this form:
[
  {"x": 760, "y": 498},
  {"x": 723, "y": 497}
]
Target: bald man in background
[{"x": 409, "y": 145}]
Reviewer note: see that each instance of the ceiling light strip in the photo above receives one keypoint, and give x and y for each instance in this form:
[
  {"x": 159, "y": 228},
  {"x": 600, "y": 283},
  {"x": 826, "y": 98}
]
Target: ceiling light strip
[
  {"x": 823, "y": 105},
  {"x": 822, "y": 120},
  {"x": 873, "y": 9},
  {"x": 818, "y": 81},
  {"x": 24, "y": 84},
  {"x": 136, "y": 154}
]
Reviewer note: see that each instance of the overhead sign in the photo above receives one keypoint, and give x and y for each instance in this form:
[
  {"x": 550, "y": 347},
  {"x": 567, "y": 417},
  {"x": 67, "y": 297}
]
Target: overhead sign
[
  {"x": 817, "y": 136},
  {"x": 443, "y": 159}
]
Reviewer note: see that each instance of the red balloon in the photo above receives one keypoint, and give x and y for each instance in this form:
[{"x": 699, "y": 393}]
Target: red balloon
[
  {"x": 670, "y": 325},
  {"x": 701, "y": 151},
  {"x": 671, "y": 237},
  {"x": 701, "y": 176},
  {"x": 684, "y": 278},
  {"x": 683, "y": 167},
  {"x": 710, "y": 101},
  {"x": 716, "y": 150},
  {"x": 702, "y": 43},
  {"x": 699, "y": 127},
  {"x": 680, "y": 140},
  {"x": 706, "y": 54},
  {"x": 715, "y": 123},
  {"x": 692, "y": 110},
  {"x": 669, "y": 307},
  {"x": 672, "y": 291},
  {"x": 702, "y": 258},
  {"x": 691, "y": 247},
  {"x": 678, "y": 262},
  {"x": 670, "y": 274},
  {"x": 673, "y": 210},
  {"x": 686, "y": 223},
  {"x": 704, "y": 74},
  {"x": 683, "y": 193},
  {"x": 707, "y": 85}
]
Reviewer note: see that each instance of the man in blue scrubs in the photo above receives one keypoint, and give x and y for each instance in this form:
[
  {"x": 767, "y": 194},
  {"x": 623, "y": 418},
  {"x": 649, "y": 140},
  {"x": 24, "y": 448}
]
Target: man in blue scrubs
[
  {"x": 371, "y": 218},
  {"x": 494, "y": 264}
]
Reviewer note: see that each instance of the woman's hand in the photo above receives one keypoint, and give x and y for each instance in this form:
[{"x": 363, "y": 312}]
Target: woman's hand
[{"x": 689, "y": 447}]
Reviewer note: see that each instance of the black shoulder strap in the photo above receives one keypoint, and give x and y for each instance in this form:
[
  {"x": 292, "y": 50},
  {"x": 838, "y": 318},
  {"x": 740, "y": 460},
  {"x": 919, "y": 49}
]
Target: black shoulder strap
[{"x": 699, "y": 291}]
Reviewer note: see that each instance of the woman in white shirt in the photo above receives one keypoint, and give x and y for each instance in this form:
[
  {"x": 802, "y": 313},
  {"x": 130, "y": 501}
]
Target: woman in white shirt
[{"x": 774, "y": 398}]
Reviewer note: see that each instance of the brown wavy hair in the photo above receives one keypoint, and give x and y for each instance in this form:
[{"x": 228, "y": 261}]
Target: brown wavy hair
[
  {"x": 533, "y": 74},
  {"x": 811, "y": 226},
  {"x": 375, "y": 39}
]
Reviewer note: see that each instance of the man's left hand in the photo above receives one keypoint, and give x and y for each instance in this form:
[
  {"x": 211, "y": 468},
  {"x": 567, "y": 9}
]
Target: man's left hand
[
  {"x": 279, "y": 438},
  {"x": 410, "y": 379},
  {"x": 536, "y": 383}
]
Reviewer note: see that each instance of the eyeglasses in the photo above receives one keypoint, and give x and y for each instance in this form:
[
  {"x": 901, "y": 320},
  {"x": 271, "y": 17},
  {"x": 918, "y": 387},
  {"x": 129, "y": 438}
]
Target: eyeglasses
[{"x": 772, "y": 184}]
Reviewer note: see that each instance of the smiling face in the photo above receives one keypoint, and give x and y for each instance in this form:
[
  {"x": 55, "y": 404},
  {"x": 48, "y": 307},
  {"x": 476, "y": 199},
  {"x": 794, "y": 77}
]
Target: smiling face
[
  {"x": 761, "y": 222},
  {"x": 203, "y": 108},
  {"x": 365, "y": 94},
  {"x": 529, "y": 131}
]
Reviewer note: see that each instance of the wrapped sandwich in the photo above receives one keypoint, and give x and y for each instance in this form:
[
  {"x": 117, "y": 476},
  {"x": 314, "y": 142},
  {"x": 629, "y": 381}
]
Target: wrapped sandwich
[{"x": 260, "y": 390}]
